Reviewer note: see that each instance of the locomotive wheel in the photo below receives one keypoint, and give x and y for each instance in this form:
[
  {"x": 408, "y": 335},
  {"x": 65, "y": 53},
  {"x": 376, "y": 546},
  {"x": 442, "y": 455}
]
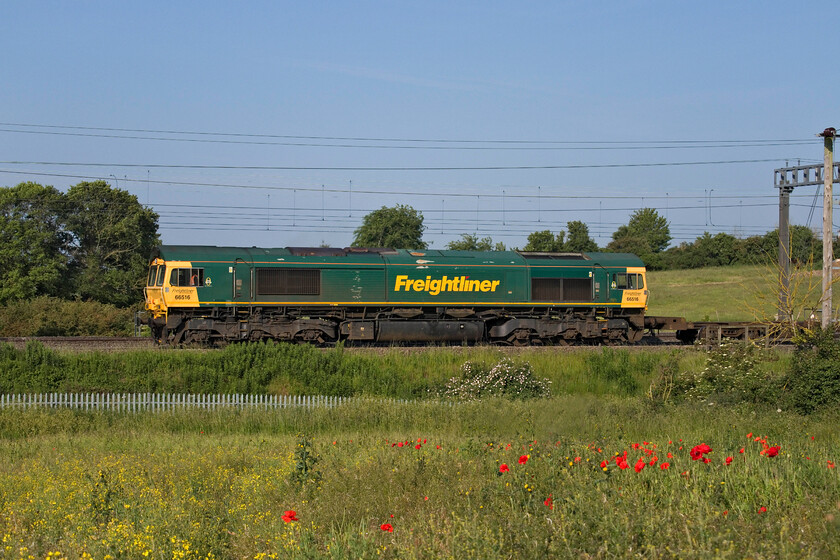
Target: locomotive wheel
[
  {"x": 312, "y": 336},
  {"x": 635, "y": 335},
  {"x": 520, "y": 337}
]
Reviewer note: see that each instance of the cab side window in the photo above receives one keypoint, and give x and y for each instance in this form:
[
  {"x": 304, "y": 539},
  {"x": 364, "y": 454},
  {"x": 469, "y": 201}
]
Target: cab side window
[
  {"x": 161, "y": 275},
  {"x": 624, "y": 281},
  {"x": 620, "y": 281},
  {"x": 187, "y": 277}
]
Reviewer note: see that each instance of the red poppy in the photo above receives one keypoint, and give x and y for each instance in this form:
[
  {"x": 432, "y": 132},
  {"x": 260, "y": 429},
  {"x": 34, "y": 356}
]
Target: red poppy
[
  {"x": 726, "y": 512},
  {"x": 603, "y": 464},
  {"x": 831, "y": 464},
  {"x": 670, "y": 455},
  {"x": 623, "y": 464},
  {"x": 728, "y": 460},
  {"x": 418, "y": 446},
  {"x": 504, "y": 468},
  {"x": 772, "y": 451},
  {"x": 664, "y": 466},
  {"x": 387, "y": 527},
  {"x": 698, "y": 451},
  {"x": 741, "y": 450},
  {"x": 707, "y": 460},
  {"x": 762, "y": 509},
  {"x": 653, "y": 460},
  {"x": 523, "y": 459},
  {"x": 549, "y": 502},
  {"x": 640, "y": 464},
  {"x": 749, "y": 435},
  {"x": 577, "y": 459},
  {"x": 400, "y": 444},
  {"x": 289, "y": 516}
]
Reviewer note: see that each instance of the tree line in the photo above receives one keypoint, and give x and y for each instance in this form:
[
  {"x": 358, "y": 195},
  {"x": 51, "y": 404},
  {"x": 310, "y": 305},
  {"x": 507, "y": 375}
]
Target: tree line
[
  {"x": 93, "y": 242},
  {"x": 646, "y": 234}
]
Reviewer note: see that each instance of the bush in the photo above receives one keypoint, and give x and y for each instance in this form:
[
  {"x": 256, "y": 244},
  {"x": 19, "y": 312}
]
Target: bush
[
  {"x": 48, "y": 316},
  {"x": 814, "y": 379},
  {"x": 504, "y": 379},
  {"x": 733, "y": 373}
]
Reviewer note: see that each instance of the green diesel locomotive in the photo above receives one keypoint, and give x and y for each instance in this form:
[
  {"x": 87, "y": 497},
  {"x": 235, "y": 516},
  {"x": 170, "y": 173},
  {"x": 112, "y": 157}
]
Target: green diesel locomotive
[{"x": 203, "y": 294}]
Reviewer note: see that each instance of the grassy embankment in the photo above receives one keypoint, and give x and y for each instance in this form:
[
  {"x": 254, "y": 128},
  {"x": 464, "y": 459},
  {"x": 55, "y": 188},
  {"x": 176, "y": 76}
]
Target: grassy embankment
[{"x": 304, "y": 370}]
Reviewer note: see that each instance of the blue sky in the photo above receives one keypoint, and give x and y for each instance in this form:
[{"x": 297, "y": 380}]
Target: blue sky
[{"x": 610, "y": 83}]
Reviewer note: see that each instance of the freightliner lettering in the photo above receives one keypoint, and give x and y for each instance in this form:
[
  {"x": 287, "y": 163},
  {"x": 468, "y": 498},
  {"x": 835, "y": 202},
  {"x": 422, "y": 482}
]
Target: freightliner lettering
[{"x": 445, "y": 284}]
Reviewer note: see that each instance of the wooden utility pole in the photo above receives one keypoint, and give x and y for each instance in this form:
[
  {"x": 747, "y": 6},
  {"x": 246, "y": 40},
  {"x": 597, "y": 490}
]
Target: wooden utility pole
[{"x": 828, "y": 231}]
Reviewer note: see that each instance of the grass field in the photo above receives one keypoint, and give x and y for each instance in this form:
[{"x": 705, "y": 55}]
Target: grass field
[
  {"x": 731, "y": 293},
  {"x": 422, "y": 481},
  {"x": 711, "y": 294}
]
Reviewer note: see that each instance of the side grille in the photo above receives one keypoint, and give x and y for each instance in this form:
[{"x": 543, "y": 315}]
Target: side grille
[{"x": 288, "y": 282}]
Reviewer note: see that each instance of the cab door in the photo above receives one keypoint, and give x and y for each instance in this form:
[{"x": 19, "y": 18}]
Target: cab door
[
  {"x": 242, "y": 281},
  {"x": 600, "y": 284}
]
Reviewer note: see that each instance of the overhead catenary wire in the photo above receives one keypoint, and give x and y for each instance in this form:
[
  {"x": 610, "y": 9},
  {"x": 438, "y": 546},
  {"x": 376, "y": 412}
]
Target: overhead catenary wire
[
  {"x": 648, "y": 146},
  {"x": 713, "y": 143},
  {"x": 457, "y": 190},
  {"x": 384, "y": 168},
  {"x": 425, "y": 193}
]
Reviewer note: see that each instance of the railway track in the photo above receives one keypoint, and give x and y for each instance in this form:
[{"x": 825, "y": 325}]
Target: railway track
[
  {"x": 84, "y": 343},
  {"x": 707, "y": 333},
  {"x": 119, "y": 344}
]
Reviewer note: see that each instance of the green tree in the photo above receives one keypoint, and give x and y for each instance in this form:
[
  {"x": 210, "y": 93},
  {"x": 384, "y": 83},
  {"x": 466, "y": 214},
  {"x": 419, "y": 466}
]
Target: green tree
[
  {"x": 646, "y": 234},
  {"x": 398, "y": 227},
  {"x": 579, "y": 239},
  {"x": 546, "y": 242},
  {"x": 707, "y": 250},
  {"x": 113, "y": 236},
  {"x": 469, "y": 242},
  {"x": 804, "y": 245},
  {"x": 34, "y": 247}
]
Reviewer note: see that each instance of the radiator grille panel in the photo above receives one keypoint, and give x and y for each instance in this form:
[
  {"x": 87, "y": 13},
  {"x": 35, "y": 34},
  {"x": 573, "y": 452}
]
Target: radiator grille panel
[
  {"x": 288, "y": 282},
  {"x": 561, "y": 289}
]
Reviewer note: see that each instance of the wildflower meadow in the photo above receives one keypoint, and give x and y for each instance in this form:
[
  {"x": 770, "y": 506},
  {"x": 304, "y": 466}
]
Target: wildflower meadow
[{"x": 542, "y": 473}]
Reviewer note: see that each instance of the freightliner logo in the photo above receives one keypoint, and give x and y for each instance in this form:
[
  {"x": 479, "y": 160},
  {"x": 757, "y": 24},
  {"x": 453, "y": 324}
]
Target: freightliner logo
[{"x": 445, "y": 284}]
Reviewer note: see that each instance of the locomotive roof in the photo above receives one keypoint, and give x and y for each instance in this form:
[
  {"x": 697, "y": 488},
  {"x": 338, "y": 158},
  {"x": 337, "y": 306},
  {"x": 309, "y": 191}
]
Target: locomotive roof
[{"x": 380, "y": 254}]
